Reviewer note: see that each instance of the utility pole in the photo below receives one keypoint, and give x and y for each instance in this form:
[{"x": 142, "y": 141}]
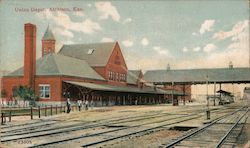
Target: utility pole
[{"x": 208, "y": 111}]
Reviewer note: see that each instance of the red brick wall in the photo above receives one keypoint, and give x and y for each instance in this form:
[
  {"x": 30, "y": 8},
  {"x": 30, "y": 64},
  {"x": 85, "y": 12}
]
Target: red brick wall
[
  {"x": 101, "y": 71},
  {"x": 116, "y": 64},
  {"x": 8, "y": 83},
  {"x": 46, "y": 45},
  {"x": 55, "y": 83},
  {"x": 55, "y": 87}
]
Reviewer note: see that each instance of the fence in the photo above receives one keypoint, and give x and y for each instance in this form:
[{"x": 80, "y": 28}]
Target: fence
[{"x": 34, "y": 112}]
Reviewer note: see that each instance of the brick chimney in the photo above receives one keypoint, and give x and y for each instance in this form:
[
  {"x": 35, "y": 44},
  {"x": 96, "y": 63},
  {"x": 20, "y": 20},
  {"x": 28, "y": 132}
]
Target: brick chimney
[{"x": 29, "y": 55}]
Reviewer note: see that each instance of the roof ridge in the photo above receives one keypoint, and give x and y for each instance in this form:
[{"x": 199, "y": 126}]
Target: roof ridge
[
  {"x": 89, "y": 43},
  {"x": 224, "y": 68}
]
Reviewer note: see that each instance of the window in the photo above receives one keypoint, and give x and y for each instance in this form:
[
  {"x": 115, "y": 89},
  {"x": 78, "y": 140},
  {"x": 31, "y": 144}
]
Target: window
[
  {"x": 117, "y": 77},
  {"x": 44, "y": 90},
  {"x": 123, "y": 77},
  {"x": 110, "y": 75},
  {"x": 90, "y": 51}
]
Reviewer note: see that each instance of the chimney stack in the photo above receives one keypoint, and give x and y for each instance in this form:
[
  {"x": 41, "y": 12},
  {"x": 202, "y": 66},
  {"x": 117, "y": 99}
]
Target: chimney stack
[{"x": 29, "y": 55}]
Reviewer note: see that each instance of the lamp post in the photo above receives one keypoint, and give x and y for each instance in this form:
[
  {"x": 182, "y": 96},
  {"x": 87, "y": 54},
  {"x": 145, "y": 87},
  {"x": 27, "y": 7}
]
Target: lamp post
[{"x": 208, "y": 111}]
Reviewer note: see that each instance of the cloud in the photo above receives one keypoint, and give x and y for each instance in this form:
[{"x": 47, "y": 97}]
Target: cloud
[
  {"x": 127, "y": 43},
  {"x": 127, "y": 20},
  {"x": 144, "y": 41},
  {"x": 79, "y": 13},
  {"x": 194, "y": 34},
  {"x": 209, "y": 48},
  {"x": 207, "y": 26},
  {"x": 185, "y": 49},
  {"x": 237, "y": 51},
  {"x": 105, "y": 39},
  {"x": 237, "y": 29},
  {"x": 106, "y": 10},
  {"x": 69, "y": 42},
  {"x": 160, "y": 50},
  {"x": 196, "y": 49},
  {"x": 61, "y": 19},
  {"x": 89, "y": 5},
  {"x": 63, "y": 32}
]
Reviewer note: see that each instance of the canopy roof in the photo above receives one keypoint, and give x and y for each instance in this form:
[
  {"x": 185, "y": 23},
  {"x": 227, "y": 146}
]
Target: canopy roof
[
  {"x": 111, "y": 88},
  {"x": 198, "y": 76}
]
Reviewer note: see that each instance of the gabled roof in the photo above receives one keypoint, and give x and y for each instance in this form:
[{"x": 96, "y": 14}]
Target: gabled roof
[
  {"x": 96, "y": 54},
  {"x": 199, "y": 76},
  {"x": 60, "y": 65},
  {"x": 133, "y": 76},
  {"x": 48, "y": 35}
]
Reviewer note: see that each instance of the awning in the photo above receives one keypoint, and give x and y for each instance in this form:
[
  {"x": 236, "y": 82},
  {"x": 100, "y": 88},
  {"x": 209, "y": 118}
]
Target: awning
[{"x": 111, "y": 88}]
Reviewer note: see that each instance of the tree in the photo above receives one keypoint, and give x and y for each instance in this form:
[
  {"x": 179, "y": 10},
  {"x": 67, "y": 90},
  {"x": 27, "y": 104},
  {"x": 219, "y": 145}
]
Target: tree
[
  {"x": 25, "y": 93},
  {"x": 3, "y": 93}
]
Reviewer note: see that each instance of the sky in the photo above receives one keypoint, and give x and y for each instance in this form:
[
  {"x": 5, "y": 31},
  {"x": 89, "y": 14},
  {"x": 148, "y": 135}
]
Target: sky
[
  {"x": 151, "y": 34},
  {"x": 185, "y": 34}
]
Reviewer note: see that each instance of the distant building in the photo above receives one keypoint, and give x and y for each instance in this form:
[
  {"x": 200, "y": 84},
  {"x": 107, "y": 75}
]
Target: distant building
[{"x": 246, "y": 92}]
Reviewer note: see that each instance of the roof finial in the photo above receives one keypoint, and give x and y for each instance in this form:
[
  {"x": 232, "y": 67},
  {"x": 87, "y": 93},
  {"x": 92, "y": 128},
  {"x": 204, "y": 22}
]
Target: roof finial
[
  {"x": 168, "y": 66},
  {"x": 231, "y": 65}
]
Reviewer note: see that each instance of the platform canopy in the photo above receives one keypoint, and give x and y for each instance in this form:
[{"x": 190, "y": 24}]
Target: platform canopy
[
  {"x": 127, "y": 89},
  {"x": 198, "y": 76}
]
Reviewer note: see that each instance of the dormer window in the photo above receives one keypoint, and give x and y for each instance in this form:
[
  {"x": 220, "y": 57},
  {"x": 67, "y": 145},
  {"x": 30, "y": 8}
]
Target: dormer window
[{"x": 90, "y": 51}]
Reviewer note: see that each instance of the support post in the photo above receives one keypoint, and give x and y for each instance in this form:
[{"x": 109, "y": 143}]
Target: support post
[
  {"x": 184, "y": 92},
  {"x": 51, "y": 109},
  {"x": 39, "y": 112},
  {"x": 10, "y": 116},
  {"x": 220, "y": 93},
  {"x": 56, "y": 109},
  {"x": 214, "y": 93},
  {"x": 45, "y": 110},
  {"x": 31, "y": 113},
  {"x": 172, "y": 93},
  {"x": 2, "y": 119}
]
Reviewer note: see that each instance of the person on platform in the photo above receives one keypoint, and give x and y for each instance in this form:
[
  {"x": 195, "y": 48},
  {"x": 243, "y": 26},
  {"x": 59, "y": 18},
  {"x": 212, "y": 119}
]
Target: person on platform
[
  {"x": 91, "y": 104},
  {"x": 86, "y": 104},
  {"x": 79, "y": 103},
  {"x": 68, "y": 104}
]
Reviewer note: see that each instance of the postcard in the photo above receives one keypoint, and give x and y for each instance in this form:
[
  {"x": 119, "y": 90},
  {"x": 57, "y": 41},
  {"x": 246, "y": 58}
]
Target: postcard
[{"x": 122, "y": 73}]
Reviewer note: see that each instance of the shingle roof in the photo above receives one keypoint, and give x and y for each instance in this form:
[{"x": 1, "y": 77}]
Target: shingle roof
[
  {"x": 96, "y": 54},
  {"x": 48, "y": 35},
  {"x": 105, "y": 87},
  {"x": 220, "y": 75},
  {"x": 133, "y": 76},
  {"x": 54, "y": 64}
]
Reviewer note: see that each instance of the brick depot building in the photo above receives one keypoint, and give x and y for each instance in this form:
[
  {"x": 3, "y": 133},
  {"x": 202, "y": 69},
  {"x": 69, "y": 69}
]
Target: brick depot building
[{"x": 95, "y": 72}]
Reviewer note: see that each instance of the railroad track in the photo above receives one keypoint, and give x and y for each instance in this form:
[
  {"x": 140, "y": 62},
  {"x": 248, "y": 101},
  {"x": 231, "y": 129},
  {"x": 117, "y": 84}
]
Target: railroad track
[
  {"x": 221, "y": 132},
  {"x": 46, "y": 123},
  {"x": 134, "y": 130},
  {"x": 91, "y": 124}
]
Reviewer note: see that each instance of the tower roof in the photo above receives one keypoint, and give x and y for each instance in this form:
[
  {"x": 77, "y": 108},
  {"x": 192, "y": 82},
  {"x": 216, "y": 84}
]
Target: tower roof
[{"x": 48, "y": 35}]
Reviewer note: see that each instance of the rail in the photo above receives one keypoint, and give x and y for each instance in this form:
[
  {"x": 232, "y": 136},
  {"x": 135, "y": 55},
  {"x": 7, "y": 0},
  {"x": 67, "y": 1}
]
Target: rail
[{"x": 172, "y": 144}]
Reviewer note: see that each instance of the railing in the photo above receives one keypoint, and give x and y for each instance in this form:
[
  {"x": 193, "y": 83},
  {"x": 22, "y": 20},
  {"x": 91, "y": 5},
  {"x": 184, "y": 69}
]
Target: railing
[{"x": 47, "y": 110}]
